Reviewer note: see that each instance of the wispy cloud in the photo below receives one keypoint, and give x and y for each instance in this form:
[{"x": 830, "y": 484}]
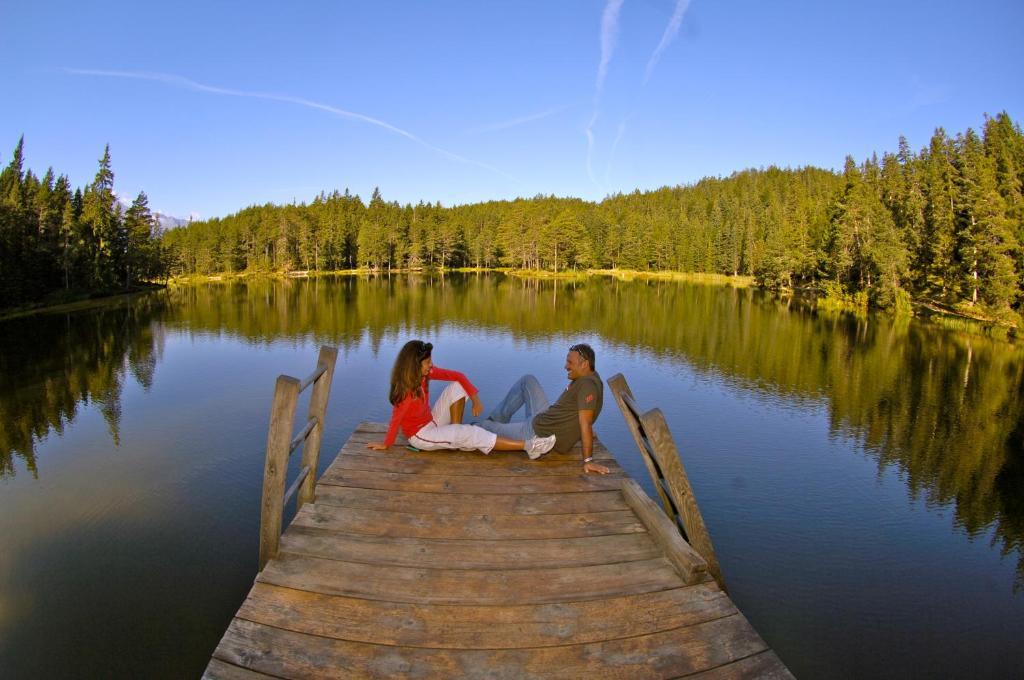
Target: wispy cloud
[
  {"x": 609, "y": 35},
  {"x": 615, "y": 146},
  {"x": 671, "y": 31},
  {"x": 179, "y": 81},
  {"x": 589, "y": 132},
  {"x": 515, "y": 122}
]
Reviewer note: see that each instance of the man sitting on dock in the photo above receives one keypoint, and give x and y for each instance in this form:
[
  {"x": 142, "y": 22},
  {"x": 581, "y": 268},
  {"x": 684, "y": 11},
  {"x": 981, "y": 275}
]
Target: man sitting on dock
[{"x": 571, "y": 418}]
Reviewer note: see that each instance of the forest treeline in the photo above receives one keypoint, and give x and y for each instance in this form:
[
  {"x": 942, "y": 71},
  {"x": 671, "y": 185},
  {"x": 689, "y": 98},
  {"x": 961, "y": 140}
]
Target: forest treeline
[
  {"x": 945, "y": 223},
  {"x": 55, "y": 242}
]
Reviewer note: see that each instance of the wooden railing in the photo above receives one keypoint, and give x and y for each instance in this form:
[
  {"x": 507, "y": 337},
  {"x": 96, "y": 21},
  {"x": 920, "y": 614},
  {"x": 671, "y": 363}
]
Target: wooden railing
[
  {"x": 281, "y": 444},
  {"x": 660, "y": 455}
]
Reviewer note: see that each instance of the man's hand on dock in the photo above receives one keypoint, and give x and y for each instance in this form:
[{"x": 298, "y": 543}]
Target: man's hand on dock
[{"x": 595, "y": 468}]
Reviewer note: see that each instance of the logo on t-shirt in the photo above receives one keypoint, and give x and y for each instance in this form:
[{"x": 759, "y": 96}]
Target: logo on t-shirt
[{"x": 590, "y": 398}]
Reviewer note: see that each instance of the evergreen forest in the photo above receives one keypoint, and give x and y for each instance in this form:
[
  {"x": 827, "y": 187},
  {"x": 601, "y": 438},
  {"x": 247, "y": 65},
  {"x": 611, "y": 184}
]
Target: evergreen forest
[
  {"x": 56, "y": 244},
  {"x": 943, "y": 225}
]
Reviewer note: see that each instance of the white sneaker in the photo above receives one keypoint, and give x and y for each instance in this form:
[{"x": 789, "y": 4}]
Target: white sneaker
[{"x": 538, "y": 446}]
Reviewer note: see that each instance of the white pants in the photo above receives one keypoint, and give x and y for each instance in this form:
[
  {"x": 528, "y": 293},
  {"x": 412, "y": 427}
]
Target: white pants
[{"x": 442, "y": 434}]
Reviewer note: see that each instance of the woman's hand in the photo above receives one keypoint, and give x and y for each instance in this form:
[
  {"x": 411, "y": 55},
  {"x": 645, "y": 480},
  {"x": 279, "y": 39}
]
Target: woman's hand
[
  {"x": 595, "y": 468},
  {"x": 377, "y": 446},
  {"x": 478, "y": 406}
]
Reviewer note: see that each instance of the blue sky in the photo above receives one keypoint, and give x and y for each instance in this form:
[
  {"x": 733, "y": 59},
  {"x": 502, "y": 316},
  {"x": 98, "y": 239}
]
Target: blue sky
[{"x": 210, "y": 107}]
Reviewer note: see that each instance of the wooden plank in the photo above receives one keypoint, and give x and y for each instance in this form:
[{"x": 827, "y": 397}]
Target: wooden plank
[
  {"x": 468, "y": 586},
  {"x": 687, "y": 561},
  {"x": 221, "y": 670},
  {"x": 620, "y": 390},
  {"x": 678, "y": 482},
  {"x": 439, "y": 464},
  {"x": 447, "y": 484},
  {"x": 671, "y": 653},
  {"x": 494, "y": 627},
  {"x": 469, "y": 553},
  {"x": 463, "y": 526},
  {"x": 766, "y": 666},
  {"x": 279, "y": 434},
  {"x": 318, "y": 410},
  {"x": 461, "y": 504}
]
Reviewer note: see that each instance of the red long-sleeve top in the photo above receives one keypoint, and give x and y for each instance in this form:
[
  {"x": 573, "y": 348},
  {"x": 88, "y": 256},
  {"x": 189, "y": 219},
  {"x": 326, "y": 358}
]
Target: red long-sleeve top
[{"x": 413, "y": 412}]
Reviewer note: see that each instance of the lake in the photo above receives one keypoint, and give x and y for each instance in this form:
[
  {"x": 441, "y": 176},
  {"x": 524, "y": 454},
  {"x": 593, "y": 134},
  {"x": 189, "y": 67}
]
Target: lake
[{"x": 862, "y": 478}]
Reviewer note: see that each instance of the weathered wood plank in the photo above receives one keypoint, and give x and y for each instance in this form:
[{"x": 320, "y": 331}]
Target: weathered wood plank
[
  {"x": 687, "y": 561},
  {"x": 279, "y": 434},
  {"x": 481, "y": 525},
  {"x": 317, "y": 409},
  {"x": 468, "y": 586},
  {"x": 221, "y": 670},
  {"x": 447, "y": 484},
  {"x": 468, "y": 553},
  {"x": 357, "y": 445},
  {"x": 462, "y": 504},
  {"x": 492, "y": 627},
  {"x": 671, "y": 653},
  {"x": 438, "y": 464},
  {"x": 765, "y": 666}
]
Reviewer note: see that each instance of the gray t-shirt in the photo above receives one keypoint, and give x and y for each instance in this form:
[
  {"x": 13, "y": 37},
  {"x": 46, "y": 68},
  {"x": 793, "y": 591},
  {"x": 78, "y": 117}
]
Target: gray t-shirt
[{"x": 562, "y": 418}]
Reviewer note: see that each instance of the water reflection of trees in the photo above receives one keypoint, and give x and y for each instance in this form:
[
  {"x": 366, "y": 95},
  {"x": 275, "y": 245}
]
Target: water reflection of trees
[
  {"x": 944, "y": 408},
  {"x": 53, "y": 365}
]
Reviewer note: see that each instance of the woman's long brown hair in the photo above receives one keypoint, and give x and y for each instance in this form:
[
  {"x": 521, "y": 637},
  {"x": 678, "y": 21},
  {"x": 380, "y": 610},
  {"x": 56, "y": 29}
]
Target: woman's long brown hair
[{"x": 406, "y": 377}]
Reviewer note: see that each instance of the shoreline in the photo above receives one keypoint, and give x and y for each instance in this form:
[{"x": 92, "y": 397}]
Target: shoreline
[
  {"x": 923, "y": 309},
  {"x": 77, "y": 303}
]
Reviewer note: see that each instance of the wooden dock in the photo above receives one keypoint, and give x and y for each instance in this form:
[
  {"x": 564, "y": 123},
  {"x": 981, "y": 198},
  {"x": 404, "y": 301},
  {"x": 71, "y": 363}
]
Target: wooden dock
[{"x": 451, "y": 564}]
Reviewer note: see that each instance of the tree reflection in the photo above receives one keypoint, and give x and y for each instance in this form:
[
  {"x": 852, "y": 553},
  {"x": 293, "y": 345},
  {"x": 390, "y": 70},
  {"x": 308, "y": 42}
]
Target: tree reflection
[
  {"x": 53, "y": 365},
  {"x": 943, "y": 407}
]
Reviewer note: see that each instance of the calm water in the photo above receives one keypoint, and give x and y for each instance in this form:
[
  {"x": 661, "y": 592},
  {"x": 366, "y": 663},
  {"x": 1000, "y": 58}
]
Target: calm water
[{"x": 863, "y": 481}]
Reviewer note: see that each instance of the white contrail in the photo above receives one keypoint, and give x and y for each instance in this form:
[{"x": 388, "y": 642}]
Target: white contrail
[
  {"x": 179, "y": 81},
  {"x": 609, "y": 33},
  {"x": 504, "y": 125},
  {"x": 671, "y": 30}
]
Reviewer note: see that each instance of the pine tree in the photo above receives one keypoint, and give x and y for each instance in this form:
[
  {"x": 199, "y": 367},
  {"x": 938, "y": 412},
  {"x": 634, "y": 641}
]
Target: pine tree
[
  {"x": 140, "y": 255},
  {"x": 100, "y": 215}
]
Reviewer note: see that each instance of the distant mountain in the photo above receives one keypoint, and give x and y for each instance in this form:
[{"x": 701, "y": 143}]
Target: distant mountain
[
  {"x": 167, "y": 222},
  {"x": 164, "y": 222}
]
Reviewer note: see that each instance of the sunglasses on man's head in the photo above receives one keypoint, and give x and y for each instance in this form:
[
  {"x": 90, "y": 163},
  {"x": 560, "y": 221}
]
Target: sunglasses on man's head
[{"x": 581, "y": 350}]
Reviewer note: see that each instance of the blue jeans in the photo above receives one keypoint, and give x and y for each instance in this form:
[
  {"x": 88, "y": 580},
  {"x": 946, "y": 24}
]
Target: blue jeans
[{"x": 526, "y": 394}]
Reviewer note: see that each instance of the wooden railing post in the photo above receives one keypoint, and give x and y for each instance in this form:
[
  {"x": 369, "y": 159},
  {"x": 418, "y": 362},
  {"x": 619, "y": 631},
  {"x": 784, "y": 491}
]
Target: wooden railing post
[
  {"x": 282, "y": 419},
  {"x": 622, "y": 393},
  {"x": 317, "y": 409},
  {"x": 660, "y": 455}
]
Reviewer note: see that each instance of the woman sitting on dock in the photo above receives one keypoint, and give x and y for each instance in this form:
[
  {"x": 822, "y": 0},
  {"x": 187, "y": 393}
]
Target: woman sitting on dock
[{"x": 441, "y": 427}]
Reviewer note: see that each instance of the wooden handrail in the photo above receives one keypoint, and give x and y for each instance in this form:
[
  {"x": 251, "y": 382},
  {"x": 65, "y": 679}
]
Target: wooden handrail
[
  {"x": 660, "y": 455},
  {"x": 281, "y": 444}
]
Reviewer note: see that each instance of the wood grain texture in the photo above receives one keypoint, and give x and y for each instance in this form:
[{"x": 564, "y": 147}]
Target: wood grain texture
[
  {"x": 454, "y": 564},
  {"x": 480, "y": 524},
  {"x": 468, "y": 553},
  {"x": 447, "y": 626},
  {"x": 468, "y": 586},
  {"x": 680, "y": 651},
  {"x": 687, "y": 561},
  {"x": 765, "y": 666},
  {"x": 439, "y": 483},
  {"x": 279, "y": 435},
  {"x": 473, "y": 504}
]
